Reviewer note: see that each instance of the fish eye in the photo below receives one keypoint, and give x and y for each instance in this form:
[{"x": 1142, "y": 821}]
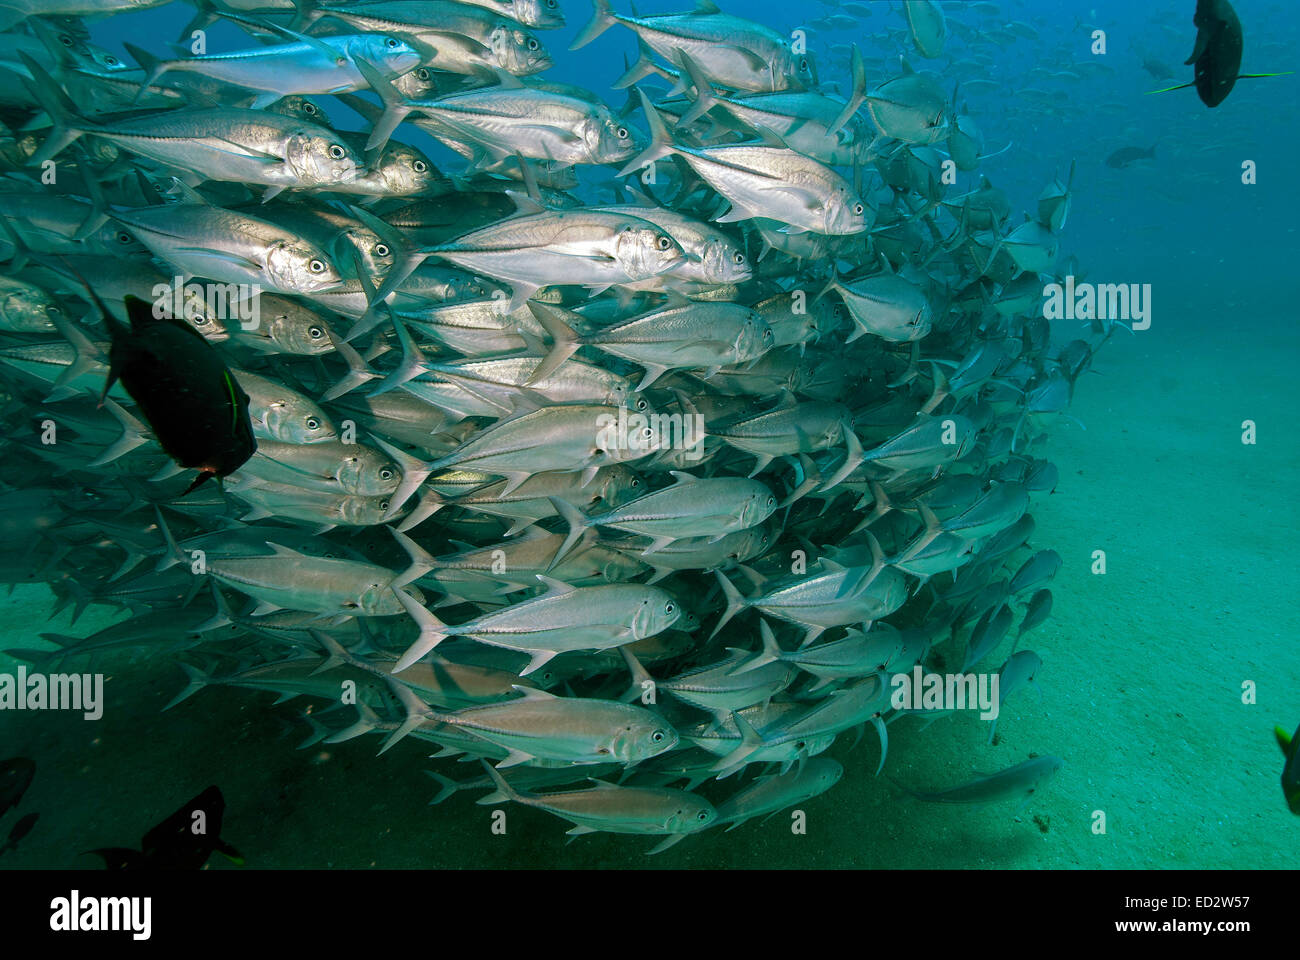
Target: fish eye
[
  {"x": 858, "y": 208},
  {"x": 383, "y": 504},
  {"x": 316, "y": 266},
  {"x": 663, "y": 243},
  {"x": 124, "y": 237},
  {"x": 646, "y": 432},
  {"x": 739, "y": 257},
  {"x": 641, "y": 404},
  {"x": 803, "y": 64},
  {"x": 385, "y": 474},
  {"x": 669, "y": 607},
  {"x": 315, "y": 332},
  {"x": 381, "y": 249},
  {"x": 65, "y": 40},
  {"x": 532, "y": 44},
  {"x": 419, "y": 166},
  {"x": 390, "y": 43},
  {"x": 308, "y": 107},
  {"x": 312, "y": 423},
  {"x": 550, "y": 4},
  {"x": 635, "y": 483},
  {"x": 702, "y": 816},
  {"x": 622, "y": 133},
  {"x": 337, "y": 152},
  {"x": 771, "y": 501},
  {"x": 658, "y": 736},
  {"x": 422, "y": 74},
  {"x": 111, "y": 60}
]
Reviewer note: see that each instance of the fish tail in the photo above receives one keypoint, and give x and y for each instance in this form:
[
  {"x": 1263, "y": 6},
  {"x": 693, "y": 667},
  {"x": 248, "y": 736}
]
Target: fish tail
[
  {"x": 735, "y": 602},
  {"x": 421, "y": 561},
  {"x": 640, "y": 676},
  {"x": 66, "y": 124},
  {"x": 154, "y": 67},
  {"x": 854, "y": 456},
  {"x": 396, "y": 106},
  {"x": 205, "y": 15},
  {"x": 447, "y": 787},
  {"x": 661, "y": 144},
  {"x": 132, "y": 435},
  {"x": 750, "y": 740},
  {"x": 602, "y": 18},
  {"x": 172, "y": 554},
  {"x": 198, "y": 680},
  {"x": 358, "y": 371},
  {"x": 577, "y": 527},
  {"x": 704, "y": 99},
  {"x": 432, "y": 631},
  {"x": 883, "y": 733},
  {"x": 643, "y": 67},
  {"x": 858, "y": 96},
  {"x": 770, "y": 653},
  {"x": 367, "y": 720},
  {"x": 417, "y": 712},
  {"x": 414, "y": 473},
  {"x": 503, "y": 789},
  {"x": 566, "y": 340}
]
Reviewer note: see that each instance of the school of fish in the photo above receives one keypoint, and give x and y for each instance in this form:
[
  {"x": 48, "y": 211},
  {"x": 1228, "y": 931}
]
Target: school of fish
[{"x": 644, "y": 441}]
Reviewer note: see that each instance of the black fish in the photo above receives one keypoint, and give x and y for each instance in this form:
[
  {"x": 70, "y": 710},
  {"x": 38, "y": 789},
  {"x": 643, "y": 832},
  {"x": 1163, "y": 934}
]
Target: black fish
[
  {"x": 15, "y": 777},
  {"x": 1217, "y": 54},
  {"x": 197, "y": 410},
  {"x": 20, "y": 830},
  {"x": 1126, "y": 156},
  {"x": 174, "y": 844}
]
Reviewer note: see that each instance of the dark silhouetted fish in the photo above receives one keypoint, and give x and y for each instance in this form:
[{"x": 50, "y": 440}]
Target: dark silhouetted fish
[
  {"x": 1021, "y": 781},
  {"x": 1217, "y": 54},
  {"x": 1127, "y": 156},
  {"x": 20, "y": 830},
  {"x": 198, "y": 412},
  {"x": 1291, "y": 770},
  {"x": 15, "y": 777},
  {"x": 183, "y": 841}
]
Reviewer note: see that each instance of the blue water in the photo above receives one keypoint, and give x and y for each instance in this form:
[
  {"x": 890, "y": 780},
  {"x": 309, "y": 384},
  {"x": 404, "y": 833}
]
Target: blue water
[{"x": 1144, "y": 666}]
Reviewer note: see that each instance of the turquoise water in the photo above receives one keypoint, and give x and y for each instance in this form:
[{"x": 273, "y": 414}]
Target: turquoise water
[{"x": 1143, "y": 666}]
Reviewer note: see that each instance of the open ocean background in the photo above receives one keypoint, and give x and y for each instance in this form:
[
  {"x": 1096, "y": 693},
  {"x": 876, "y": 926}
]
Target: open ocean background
[{"x": 1143, "y": 667}]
